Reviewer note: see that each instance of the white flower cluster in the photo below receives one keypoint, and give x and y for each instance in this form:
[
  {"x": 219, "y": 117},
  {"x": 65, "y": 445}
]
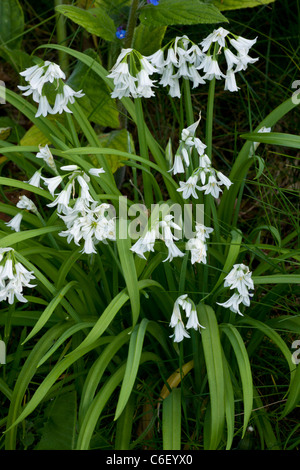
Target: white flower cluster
[
  {"x": 211, "y": 179},
  {"x": 183, "y": 61},
  {"x": 235, "y": 62},
  {"x": 181, "y": 58},
  {"x": 239, "y": 279},
  {"x": 198, "y": 245},
  {"x": 84, "y": 218},
  {"x": 43, "y": 74},
  {"x": 89, "y": 224},
  {"x": 131, "y": 75},
  {"x": 13, "y": 277},
  {"x": 187, "y": 143},
  {"x": 160, "y": 230},
  {"x": 180, "y": 330}
]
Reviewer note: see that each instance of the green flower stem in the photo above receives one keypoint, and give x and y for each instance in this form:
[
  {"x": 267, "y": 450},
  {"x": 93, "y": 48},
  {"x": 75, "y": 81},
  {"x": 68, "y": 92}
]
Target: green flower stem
[
  {"x": 131, "y": 24},
  {"x": 210, "y": 117},
  {"x": 189, "y": 116},
  {"x": 148, "y": 195},
  {"x": 7, "y": 326},
  {"x": 61, "y": 34}
]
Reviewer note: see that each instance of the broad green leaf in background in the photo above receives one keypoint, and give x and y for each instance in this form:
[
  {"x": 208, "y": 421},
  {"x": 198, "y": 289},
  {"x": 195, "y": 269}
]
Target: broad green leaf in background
[
  {"x": 117, "y": 140},
  {"x": 148, "y": 39},
  {"x": 11, "y": 24},
  {"x": 111, "y": 5},
  {"x": 237, "y": 4},
  {"x": 95, "y": 21},
  {"x": 97, "y": 102},
  {"x": 59, "y": 430},
  {"x": 171, "y": 12}
]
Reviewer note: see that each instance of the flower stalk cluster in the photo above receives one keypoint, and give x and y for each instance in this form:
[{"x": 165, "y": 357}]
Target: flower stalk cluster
[
  {"x": 181, "y": 58},
  {"x": 184, "y": 303},
  {"x": 13, "y": 277},
  {"x": 240, "y": 280},
  {"x": 45, "y": 80}
]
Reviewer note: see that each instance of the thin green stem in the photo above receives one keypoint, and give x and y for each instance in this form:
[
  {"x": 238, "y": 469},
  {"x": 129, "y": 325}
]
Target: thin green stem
[
  {"x": 148, "y": 195},
  {"x": 61, "y": 34},
  {"x": 131, "y": 24},
  {"x": 210, "y": 117}
]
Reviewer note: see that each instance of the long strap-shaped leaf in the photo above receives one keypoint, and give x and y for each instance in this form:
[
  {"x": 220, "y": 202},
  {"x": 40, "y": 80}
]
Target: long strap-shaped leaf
[
  {"x": 244, "y": 368},
  {"x": 171, "y": 420},
  {"x": 24, "y": 378},
  {"x": 132, "y": 364},
  {"x": 98, "y": 404},
  {"x": 214, "y": 366}
]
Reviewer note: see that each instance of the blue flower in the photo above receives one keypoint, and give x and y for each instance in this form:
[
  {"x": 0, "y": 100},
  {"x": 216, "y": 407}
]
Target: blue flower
[
  {"x": 121, "y": 33},
  {"x": 153, "y": 2}
]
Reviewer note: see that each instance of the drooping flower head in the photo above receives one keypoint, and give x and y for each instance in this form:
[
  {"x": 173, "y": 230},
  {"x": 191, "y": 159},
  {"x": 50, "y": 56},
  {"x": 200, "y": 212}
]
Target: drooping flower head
[
  {"x": 46, "y": 85},
  {"x": 13, "y": 277},
  {"x": 131, "y": 75},
  {"x": 239, "y": 279},
  {"x": 184, "y": 304},
  {"x": 220, "y": 40}
]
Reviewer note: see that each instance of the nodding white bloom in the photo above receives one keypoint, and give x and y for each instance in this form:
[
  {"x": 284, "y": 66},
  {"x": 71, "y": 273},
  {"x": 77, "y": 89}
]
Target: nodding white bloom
[
  {"x": 13, "y": 277},
  {"x": 44, "y": 107},
  {"x": 223, "y": 179},
  {"x": 35, "y": 179},
  {"x": 244, "y": 60},
  {"x": 198, "y": 250},
  {"x": 212, "y": 186},
  {"x": 96, "y": 171},
  {"x": 15, "y": 222},
  {"x": 231, "y": 58},
  {"x": 202, "y": 231},
  {"x": 198, "y": 245},
  {"x": 63, "y": 98},
  {"x": 240, "y": 279},
  {"x": 187, "y": 142},
  {"x": 220, "y": 40},
  {"x": 26, "y": 203},
  {"x": 178, "y": 165},
  {"x": 177, "y": 323},
  {"x": 46, "y": 155},
  {"x": 145, "y": 243},
  {"x": 183, "y": 303},
  {"x": 182, "y": 60},
  {"x": 230, "y": 81},
  {"x": 173, "y": 250},
  {"x": 39, "y": 75},
  {"x": 132, "y": 80},
  {"x": 212, "y": 69},
  {"x": 218, "y": 35},
  {"x": 62, "y": 201},
  {"x": 166, "y": 225},
  {"x": 234, "y": 302},
  {"x": 52, "y": 183},
  {"x": 189, "y": 187},
  {"x": 241, "y": 44},
  {"x": 160, "y": 230},
  {"x": 90, "y": 225}
]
